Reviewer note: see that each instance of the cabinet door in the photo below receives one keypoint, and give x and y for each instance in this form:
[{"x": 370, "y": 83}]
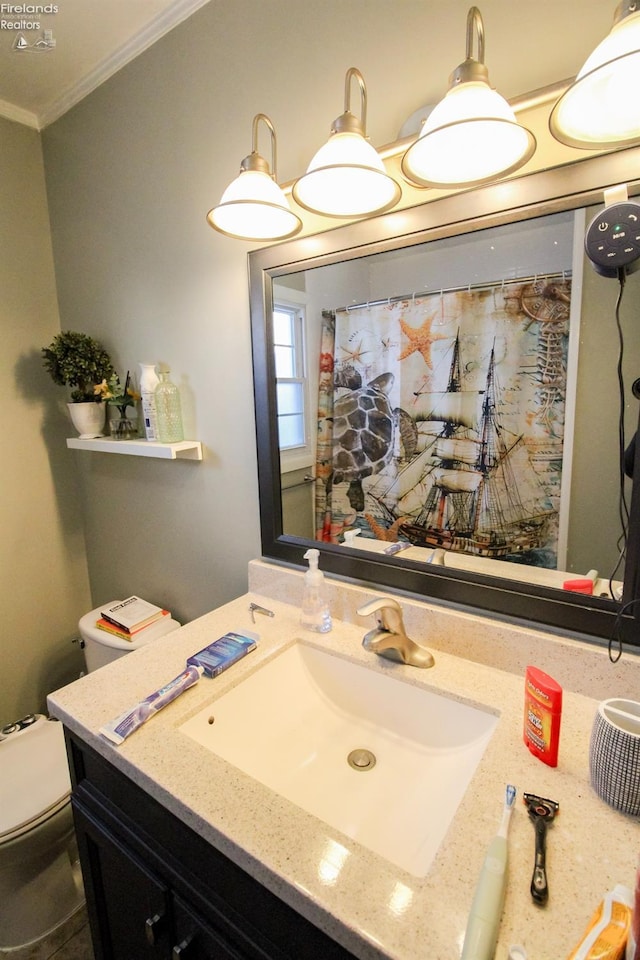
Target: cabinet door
[
  {"x": 129, "y": 911},
  {"x": 196, "y": 940},
  {"x": 137, "y": 857}
]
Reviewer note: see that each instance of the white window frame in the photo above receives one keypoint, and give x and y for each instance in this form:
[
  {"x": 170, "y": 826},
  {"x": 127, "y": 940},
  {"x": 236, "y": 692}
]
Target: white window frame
[{"x": 295, "y": 301}]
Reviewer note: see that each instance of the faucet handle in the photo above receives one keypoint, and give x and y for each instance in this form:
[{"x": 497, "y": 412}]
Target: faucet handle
[
  {"x": 378, "y": 603},
  {"x": 389, "y": 613}
]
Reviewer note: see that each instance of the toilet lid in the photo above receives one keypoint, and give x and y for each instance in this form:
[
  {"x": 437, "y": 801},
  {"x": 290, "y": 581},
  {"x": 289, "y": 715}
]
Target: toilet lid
[
  {"x": 34, "y": 776},
  {"x": 88, "y": 629}
]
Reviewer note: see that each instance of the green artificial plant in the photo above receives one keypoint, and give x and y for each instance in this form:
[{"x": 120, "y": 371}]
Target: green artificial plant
[{"x": 77, "y": 360}]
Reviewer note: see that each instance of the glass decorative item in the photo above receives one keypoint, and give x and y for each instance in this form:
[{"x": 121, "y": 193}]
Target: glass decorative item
[
  {"x": 168, "y": 410},
  {"x": 121, "y": 427}
]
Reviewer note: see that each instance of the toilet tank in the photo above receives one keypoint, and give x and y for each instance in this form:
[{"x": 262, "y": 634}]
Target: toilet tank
[{"x": 101, "y": 647}]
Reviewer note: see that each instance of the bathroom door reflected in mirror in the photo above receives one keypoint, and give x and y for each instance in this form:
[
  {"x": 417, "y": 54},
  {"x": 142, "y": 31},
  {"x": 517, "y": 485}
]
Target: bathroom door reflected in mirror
[{"x": 462, "y": 397}]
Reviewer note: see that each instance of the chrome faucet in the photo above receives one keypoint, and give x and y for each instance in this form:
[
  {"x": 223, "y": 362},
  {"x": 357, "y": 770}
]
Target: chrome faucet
[{"x": 389, "y": 638}]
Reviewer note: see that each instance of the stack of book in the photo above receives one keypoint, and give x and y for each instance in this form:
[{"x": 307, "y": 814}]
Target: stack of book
[{"x": 127, "y": 618}]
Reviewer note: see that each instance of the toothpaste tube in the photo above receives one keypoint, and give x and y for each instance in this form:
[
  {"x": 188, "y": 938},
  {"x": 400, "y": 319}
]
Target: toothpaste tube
[
  {"x": 608, "y": 931},
  {"x": 224, "y": 652},
  {"x": 117, "y": 730},
  {"x": 396, "y": 547}
]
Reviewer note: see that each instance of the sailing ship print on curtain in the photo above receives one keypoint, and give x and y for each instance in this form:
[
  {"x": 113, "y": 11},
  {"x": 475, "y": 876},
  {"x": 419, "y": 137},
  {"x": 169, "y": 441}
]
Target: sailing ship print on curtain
[{"x": 441, "y": 420}]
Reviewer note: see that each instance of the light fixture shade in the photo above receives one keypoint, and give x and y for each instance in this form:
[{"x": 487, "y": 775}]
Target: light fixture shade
[
  {"x": 253, "y": 207},
  {"x": 471, "y": 137},
  {"x": 346, "y": 178},
  {"x": 600, "y": 108}
]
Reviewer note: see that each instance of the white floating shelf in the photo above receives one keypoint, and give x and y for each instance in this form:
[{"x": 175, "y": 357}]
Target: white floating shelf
[{"x": 184, "y": 450}]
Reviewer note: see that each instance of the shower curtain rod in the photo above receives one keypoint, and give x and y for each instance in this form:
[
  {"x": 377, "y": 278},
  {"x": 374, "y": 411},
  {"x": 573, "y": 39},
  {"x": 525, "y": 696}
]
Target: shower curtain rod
[{"x": 559, "y": 274}]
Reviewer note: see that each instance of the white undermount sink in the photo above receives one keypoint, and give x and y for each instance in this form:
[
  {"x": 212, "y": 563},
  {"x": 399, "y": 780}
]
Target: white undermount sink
[{"x": 294, "y": 722}]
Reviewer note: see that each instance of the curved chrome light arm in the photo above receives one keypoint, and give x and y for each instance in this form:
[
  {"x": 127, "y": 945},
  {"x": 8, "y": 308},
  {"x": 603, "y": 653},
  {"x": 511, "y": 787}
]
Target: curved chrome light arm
[
  {"x": 473, "y": 68},
  {"x": 475, "y": 26},
  {"x": 348, "y": 122},
  {"x": 256, "y": 161}
]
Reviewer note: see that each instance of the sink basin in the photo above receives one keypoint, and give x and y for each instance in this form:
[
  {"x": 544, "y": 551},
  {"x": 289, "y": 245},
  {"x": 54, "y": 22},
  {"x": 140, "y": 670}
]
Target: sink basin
[{"x": 379, "y": 759}]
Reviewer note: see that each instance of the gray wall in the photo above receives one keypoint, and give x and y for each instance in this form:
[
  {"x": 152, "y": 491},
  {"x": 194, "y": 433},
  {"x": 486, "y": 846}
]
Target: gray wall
[
  {"x": 131, "y": 172},
  {"x": 43, "y": 569}
]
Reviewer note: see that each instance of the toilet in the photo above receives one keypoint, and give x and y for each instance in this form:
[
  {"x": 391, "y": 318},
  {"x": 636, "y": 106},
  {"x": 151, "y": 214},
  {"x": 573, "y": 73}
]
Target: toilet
[{"x": 40, "y": 879}]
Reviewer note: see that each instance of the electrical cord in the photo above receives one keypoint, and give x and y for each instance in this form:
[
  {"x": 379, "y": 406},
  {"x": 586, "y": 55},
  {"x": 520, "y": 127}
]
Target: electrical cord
[
  {"x": 623, "y": 509},
  {"x": 616, "y": 634}
]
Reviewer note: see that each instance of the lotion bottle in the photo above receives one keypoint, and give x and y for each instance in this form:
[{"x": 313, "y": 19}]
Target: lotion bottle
[
  {"x": 316, "y": 615},
  {"x": 148, "y": 383}
]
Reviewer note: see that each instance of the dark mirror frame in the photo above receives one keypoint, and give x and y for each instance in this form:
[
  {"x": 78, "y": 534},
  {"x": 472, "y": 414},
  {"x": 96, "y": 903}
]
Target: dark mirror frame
[{"x": 577, "y": 184}]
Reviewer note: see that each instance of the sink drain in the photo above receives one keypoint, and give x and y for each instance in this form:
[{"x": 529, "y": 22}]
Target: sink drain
[{"x": 361, "y": 759}]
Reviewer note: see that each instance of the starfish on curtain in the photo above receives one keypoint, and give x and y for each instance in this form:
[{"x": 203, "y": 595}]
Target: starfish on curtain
[
  {"x": 355, "y": 354},
  {"x": 420, "y": 339},
  {"x": 389, "y": 534}
]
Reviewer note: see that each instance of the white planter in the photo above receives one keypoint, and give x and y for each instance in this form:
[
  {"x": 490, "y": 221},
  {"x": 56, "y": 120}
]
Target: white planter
[{"x": 88, "y": 418}]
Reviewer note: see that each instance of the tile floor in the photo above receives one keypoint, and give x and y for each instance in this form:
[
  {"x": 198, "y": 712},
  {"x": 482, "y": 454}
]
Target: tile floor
[{"x": 70, "y": 941}]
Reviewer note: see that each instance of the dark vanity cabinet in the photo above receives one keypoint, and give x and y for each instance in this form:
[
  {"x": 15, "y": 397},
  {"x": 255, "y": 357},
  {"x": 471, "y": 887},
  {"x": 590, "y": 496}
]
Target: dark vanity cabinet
[{"x": 156, "y": 890}]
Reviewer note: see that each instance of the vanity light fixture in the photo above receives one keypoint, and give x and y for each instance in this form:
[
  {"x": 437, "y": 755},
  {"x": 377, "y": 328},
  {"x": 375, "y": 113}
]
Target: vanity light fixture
[
  {"x": 254, "y": 207},
  {"x": 472, "y": 136},
  {"x": 346, "y": 177},
  {"x": 600, "y": 109}
]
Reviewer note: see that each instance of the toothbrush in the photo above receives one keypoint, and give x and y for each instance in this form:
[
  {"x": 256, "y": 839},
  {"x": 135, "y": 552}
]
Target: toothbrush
[
  {"x": 486, "y": 910},
  {"x": 119, "y": 729}
]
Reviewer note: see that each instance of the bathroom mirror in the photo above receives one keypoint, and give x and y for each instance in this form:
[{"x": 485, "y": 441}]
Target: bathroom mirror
[{"x": 470, "y": 288}]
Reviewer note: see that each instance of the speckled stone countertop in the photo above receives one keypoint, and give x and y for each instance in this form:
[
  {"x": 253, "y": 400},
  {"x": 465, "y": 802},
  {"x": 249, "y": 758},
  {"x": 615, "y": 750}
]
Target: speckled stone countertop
[{"x": 371, "y": 907}]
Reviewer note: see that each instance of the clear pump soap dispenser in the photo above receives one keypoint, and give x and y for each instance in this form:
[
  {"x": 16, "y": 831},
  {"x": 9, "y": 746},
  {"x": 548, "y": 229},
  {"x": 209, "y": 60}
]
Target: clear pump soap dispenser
[{"x": 316, "y": 615}]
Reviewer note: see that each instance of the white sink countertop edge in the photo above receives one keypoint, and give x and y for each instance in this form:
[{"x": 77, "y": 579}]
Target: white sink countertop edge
[{"x": 365, "y": 903}]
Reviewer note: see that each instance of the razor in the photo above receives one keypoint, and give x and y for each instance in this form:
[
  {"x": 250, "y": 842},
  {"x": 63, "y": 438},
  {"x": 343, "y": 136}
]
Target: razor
[{"x": 541, "y": 814}]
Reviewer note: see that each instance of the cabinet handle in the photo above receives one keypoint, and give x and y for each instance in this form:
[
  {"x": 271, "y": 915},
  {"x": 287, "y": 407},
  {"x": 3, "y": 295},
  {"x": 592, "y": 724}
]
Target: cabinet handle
[
  {"x": 181, "y": 950},
  {"x": 153, "y": 926}
]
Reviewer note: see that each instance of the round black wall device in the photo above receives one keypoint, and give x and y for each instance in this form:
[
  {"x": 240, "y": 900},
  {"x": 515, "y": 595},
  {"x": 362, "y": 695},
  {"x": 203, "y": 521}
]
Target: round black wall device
[{"x": 612, "y": 241}]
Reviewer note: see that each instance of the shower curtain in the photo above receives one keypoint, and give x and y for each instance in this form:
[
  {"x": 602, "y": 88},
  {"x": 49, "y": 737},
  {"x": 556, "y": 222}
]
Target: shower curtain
[{"x": 415, "y": 392}]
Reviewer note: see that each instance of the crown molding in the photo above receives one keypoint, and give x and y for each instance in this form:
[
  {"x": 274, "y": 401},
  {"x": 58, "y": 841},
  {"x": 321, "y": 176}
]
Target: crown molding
[
  {"x": 141, "y": 41},
  {"x": 10, "y": 112}
]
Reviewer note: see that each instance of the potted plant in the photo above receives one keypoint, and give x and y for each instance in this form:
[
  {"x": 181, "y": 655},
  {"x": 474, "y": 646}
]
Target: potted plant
[{"x": 77, "y": 360}]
